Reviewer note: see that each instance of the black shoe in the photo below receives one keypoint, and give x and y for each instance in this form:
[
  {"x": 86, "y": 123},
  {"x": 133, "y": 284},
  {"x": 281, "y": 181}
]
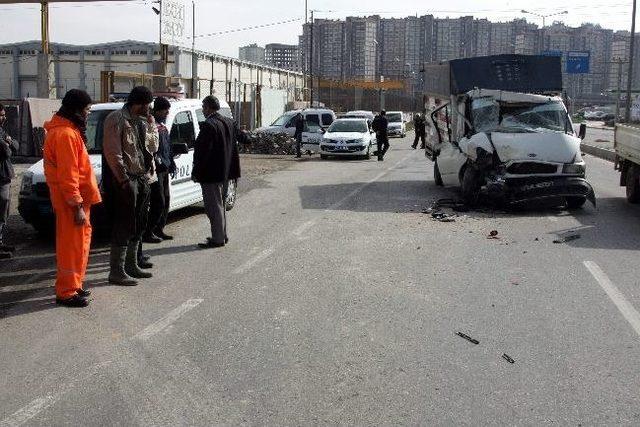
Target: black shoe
[
  {"x": 380, "y": 159},
  {"x": 414, "y": 147},
  {"x": 7, "y": 248},
  {"x": 162, "y": 235},
  {"x": 151, "y": 238},
  {"x": 145, "y": 264},
  {"x": 210, "y": 245},
  {"x": 226, "y": 240},
  {"x": 83, "y": 292},
  {"x": 74, "y": 301},
  {"x": 5, "y": 255}
]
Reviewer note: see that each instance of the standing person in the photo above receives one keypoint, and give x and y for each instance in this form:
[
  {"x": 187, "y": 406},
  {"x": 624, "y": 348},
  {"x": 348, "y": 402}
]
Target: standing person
[
  {"x": 298, "y": 135},
  {"x": 419, "y": 127},
  {"x": 130, "y": 138},
  {"x": 380, "y": 126},
  {"x": 215, "y": 162},
  {"x": 8, "y": 148},
  {"x": 165, "y": 166},
  {"x": 73, "y": 190}
]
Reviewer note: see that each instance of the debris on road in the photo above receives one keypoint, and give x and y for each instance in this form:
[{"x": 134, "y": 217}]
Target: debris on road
[
  {"x": 506, "y": 357},
  {"x": 566, "y": 239},
  {"x": 493, "y": 235},
  {"x": 468, "y": 338},
  {"x": 266, "y": 143},
  {"x": 443, "y": 217}
]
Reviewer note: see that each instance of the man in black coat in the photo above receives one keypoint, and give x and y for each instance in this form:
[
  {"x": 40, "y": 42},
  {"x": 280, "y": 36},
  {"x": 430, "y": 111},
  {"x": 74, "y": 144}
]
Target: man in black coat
[
  {"x": 380, "y": 126},
  {"x": 8, "y": 148},
  {"x": 299, "y": 121},
  {"x": 419, "y": 127},
  {"x": 215, "y": 162}
]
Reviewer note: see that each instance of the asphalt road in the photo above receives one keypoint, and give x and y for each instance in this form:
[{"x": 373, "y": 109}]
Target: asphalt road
[{"x": 337, "y": 302}]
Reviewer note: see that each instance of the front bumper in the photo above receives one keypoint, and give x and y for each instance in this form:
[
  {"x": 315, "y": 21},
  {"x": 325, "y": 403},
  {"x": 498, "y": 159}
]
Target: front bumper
[
  {"x": 521, "y": 190},
  {"x": 344, "y": 150}
]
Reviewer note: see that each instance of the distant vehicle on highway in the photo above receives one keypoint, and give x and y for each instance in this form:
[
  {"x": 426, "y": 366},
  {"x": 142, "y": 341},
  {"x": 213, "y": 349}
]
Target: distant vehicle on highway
[
  {"x": 183, "y": 124},
  {"x": 348, "y": 138},
  {"x": 397, "y": 124}
]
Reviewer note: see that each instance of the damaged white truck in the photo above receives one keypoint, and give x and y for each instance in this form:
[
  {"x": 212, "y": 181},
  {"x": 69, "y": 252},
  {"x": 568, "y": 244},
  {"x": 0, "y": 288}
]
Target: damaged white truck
[{"x": 500, "y": 130}]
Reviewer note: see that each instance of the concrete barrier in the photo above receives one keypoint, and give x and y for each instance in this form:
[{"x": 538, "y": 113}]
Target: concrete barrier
[{"x": 599, "y": 152}]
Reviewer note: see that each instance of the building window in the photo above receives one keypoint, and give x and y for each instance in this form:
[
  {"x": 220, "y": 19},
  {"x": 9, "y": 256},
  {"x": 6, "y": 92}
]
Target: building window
[
  {"x": 138, "y": 52},
  {"x": 28, "y": 52},
  {"x": 6, "y": 52}
]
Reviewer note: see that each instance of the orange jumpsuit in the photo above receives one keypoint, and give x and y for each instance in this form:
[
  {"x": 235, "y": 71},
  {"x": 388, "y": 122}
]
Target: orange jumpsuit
[{"x": 71, "y": 182}]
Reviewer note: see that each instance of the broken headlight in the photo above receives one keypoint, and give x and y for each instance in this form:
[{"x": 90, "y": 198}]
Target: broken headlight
[{"x": 574, "y": 169}]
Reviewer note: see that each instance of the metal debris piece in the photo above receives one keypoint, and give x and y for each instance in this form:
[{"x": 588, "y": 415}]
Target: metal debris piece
[
  {"x": 468, "y": 338},
  {"x": 493, "y": 235},
  {"x": 506, "y": 357},
  {"x": 566, "y": 239}
]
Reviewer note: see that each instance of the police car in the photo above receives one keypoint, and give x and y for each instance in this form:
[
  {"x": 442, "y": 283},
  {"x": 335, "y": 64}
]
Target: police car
[{"x": 183, "y": 124}]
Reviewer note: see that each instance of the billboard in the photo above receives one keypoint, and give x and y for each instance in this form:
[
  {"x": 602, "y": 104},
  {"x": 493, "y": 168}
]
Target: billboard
[
  {"x": 578, "y": 62},
  {"x": 173, "y": 22}
]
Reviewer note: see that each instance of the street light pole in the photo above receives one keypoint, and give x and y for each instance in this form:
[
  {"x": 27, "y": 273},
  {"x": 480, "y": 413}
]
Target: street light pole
[
  {"x": 311, "y": 62},
  {"x": 627, "y": 115},
  {"x": 544, "y": 17}
]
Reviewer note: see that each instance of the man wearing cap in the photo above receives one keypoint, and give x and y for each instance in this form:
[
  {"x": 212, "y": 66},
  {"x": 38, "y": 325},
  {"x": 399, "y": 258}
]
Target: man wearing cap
[
  {"x": 73, "y": 190},
  {"x": 130, "y": 139}
]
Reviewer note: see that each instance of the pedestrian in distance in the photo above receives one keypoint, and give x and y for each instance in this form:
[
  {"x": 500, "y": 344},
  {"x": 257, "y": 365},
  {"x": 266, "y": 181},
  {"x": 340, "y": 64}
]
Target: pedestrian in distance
[
  {"x": 380, "y": 126},
  {"x": 8, "y": 148},
  {"x": 216, "y": 162},
  {"x": 165, "y": 167},
  {"x": 130, "y": 139},
  {"x": 299, "y": 122},
  {"x": 419, "y": 128},
  {"x": 73, "y": 190}
]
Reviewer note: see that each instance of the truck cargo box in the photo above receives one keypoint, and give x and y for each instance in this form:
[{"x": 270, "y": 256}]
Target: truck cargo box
[{"x": 513, "y": 73}]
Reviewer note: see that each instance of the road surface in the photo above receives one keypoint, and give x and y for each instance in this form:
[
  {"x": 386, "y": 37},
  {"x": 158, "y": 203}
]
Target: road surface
[{"x": 338, "y": 302}]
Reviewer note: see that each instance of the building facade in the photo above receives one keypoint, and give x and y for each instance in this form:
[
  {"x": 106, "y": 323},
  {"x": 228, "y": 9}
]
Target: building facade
[
  {"x": 284, "y": 56},
  {"x": 252, "y": 53}
]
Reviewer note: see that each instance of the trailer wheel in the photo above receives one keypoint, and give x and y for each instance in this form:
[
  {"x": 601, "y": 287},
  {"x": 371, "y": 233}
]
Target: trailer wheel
[
  {"x": 471, "y": 186},
  {"x": 633, "y": 184},
  {"x": 436, "y": 174},
  {"x": 576, "y": 202}
]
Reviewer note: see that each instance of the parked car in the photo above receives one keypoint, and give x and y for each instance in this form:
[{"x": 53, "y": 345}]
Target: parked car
[
  {"x": 357, "y": 114},
  {"x": 348, "y": 138},
  {"x": 322, "y": 117},
  {"x": 397, "y": 125},
  {"x": 183, "y": 123}
]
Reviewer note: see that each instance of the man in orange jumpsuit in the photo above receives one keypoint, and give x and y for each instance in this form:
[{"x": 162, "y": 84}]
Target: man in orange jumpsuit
[{"x": 73, "y": 189}]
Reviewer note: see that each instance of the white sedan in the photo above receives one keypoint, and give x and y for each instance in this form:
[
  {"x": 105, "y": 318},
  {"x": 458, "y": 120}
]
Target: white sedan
[{"x": 348, "y": 138}]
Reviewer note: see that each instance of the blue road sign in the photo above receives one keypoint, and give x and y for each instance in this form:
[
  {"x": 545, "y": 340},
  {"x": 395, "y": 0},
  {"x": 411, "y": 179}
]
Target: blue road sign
[{"x": 578, "y": 62}]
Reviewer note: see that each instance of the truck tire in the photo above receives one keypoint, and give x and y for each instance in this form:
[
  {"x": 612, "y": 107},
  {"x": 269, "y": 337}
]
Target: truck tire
[
  {"x": 436, "y": 174},
  {"x": 471, "y": 186},
  {"x": 575, "y": 202},
  {"x": 633, "y": 184}
]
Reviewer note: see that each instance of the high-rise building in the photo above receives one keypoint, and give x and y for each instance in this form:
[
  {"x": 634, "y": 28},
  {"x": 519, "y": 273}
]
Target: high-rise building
[
  {"x": 328, "y": 48},
  {"x": 453, "y": 38},
  {"x": 361, "y": 48},
  {"x": 252, "y": 53},
  {"x": 619, "y": 61},
  {"x": 285, "y": 56},
  {"x": 597, "y": 41}
]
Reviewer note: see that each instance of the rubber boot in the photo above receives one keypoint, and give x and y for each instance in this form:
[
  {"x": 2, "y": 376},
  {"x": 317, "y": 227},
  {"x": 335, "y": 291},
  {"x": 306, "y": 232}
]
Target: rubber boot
[
  {"x": 131, "y": 263},
  {"x": 117, "y": 275}
]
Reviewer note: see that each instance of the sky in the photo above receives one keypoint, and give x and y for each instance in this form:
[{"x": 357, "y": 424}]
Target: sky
[{"x": 81, "y": 23}]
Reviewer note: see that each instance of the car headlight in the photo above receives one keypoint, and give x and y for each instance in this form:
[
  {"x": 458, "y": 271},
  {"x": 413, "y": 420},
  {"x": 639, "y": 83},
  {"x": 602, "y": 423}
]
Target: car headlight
[
  {"x": 574, "y": 169},
  {"x": 27, "y": 183}
]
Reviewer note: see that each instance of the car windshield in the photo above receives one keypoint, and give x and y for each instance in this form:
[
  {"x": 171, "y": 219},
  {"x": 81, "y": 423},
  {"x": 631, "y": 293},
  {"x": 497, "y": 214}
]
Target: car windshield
[
  {"x": 491, "y": 116},
  {"x": 359, "y": 126},
  {"x": 282, "y": 120},
  {"x": 95, "y": 130},
  {"x": 394, "y": 117}
]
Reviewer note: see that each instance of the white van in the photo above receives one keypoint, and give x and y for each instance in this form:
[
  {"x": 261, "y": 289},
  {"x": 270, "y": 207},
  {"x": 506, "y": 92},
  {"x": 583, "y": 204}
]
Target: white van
[
  {"x": 397, "y": 125},
  {"x": 317, "y": 120},
  {"x": 183, "y": 124}
]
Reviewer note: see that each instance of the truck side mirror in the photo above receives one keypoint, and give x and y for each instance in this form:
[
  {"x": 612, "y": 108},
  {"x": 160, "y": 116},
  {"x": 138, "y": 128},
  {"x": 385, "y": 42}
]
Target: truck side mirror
[
  {"x": 179, "y": 149},
  {"x": 582, "y": 133}
]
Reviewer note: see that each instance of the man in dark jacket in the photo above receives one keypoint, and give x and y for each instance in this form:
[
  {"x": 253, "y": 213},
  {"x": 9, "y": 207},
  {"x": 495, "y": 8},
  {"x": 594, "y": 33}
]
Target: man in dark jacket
[
  {"x": 299, "y": 121},
  {"x": 215, "y": 162},
  {"x": 380, "y": 126},
  {"x": 165, "y": 166},
  {"x": 418, "y": 124},
  {"x": 8, "y": 148}
]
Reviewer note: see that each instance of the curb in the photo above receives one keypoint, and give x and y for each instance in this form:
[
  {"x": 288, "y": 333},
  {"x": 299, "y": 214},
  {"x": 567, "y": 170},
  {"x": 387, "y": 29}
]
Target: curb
[{"x": 601, "y": 153}]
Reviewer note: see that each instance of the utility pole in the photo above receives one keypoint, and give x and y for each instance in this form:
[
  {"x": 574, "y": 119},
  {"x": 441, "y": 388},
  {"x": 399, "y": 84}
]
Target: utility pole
[
  {"x": 194, "y": 57},
  {"x": 311, "y": 62},
  {"x": 627, "y": 116},
  {"x": 620, "y": 62}
]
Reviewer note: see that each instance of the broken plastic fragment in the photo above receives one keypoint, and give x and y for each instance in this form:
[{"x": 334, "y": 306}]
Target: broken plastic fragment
[
  {"x": 468, "y": 338},
  {"x": 506, "y": 357},
  {"x": 566, "y": 239}
]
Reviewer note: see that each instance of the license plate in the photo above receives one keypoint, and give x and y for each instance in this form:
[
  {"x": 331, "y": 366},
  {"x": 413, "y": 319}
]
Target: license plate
[
  {"x": 341, "y": 148},
  {"x": 536, "y": 186}
]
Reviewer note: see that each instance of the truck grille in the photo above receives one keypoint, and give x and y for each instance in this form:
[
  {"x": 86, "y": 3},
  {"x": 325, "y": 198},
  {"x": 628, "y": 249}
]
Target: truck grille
[{"x": 526, "y": 168}]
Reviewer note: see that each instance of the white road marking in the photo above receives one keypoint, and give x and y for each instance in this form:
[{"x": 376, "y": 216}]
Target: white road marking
[
  {"x": 628, "y": 311},
  {"x": 26, "y": 413},
  {"x": 304, "y": 227},
  {"x": 166, "y": 321},
  {"x": 255, "y": 260},
  {"x": 40, "y": 404}
]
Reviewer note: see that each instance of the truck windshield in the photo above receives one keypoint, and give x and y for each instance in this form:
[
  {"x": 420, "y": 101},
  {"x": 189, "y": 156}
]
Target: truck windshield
[
  {"x": 95, "y": 130},
  {"x": 491, "y": 116}
]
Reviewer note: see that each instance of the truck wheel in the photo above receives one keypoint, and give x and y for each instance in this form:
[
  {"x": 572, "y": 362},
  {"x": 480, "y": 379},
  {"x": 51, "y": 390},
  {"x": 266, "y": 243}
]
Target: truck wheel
[
  {"x": 436, "y": 174},
  {"x": 576, "y": 202},
  {"x": 324, "y": 156},
  {"x": 633, "y": 185},
  {"x": 471, "y": 186}
]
